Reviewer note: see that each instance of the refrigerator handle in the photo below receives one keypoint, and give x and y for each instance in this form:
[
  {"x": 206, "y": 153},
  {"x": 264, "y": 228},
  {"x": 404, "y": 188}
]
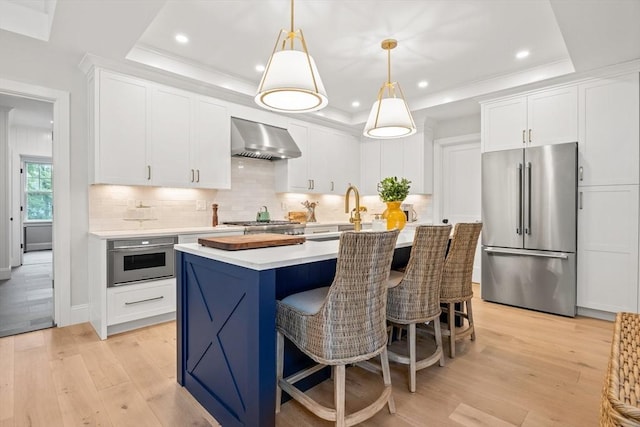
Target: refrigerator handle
[
  {"x": 580, "y": 207},
  {"x": 525, "y": 252},
  {"x": 581, "y": 173},
  {"x": 528, "y": 227},
  {"x": 519, "y": 228}
]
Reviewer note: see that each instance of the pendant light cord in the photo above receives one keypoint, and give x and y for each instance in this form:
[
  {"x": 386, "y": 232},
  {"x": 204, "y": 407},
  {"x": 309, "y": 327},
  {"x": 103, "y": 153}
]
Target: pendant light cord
[{"x": 291, "y": 33}]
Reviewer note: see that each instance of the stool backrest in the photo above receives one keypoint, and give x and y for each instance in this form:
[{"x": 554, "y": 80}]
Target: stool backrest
[
  {"x": 354, "y": 311},
  {"x": 458, "y": 266},
  {"x": 417, "y": 296}
]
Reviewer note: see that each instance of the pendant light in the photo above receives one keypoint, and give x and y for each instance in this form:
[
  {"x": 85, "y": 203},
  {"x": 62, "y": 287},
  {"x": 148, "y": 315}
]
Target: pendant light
[
  {"x": 291, "y": 83},
  {"x": 390, "y": 116}
]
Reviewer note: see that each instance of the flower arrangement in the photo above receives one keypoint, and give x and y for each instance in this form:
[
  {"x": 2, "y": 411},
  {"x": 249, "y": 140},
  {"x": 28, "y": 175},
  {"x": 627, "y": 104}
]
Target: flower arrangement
[{"x": 391, "y": 189}]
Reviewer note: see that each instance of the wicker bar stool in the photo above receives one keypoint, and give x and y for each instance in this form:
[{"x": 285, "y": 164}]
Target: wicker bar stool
[
  {"x": 414, "y": 297},
  {"x": 341, "y": 324},
  {"x": 456, "y": 281}
]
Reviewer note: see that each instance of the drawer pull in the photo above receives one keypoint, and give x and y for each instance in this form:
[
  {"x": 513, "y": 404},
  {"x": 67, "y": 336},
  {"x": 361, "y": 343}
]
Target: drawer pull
[{"x": 144, "y": 300}]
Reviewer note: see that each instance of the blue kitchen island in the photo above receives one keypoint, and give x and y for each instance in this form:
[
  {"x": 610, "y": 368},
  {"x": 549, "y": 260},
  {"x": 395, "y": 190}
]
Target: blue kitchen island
[{"x": 226, "y": 310}]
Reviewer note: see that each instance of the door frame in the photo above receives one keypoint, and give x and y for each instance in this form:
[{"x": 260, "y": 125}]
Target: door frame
[
  {"x": 61, "y": 188},
  {"x": 438, "y": 182}
]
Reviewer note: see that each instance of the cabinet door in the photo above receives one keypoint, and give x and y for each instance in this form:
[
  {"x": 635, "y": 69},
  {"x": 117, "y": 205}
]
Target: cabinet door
[
  {"x": 608, "y": 144},
  {"x": 211, "y": 145},
  {"x": 391, "y": 158},
  {"x": 413, "y": 160},
  {"x": 552, "y": 116},
  {"x": 321, "y": 157},
  {"x": 369, "y": 167},
  {"x": 121, "y": 130},
  {"x": 503, "y": 124},
  {"x": 346, "y": 163},
  {"x": 296, "y": 169},
  {"x": 170, "y": 138},
  {"x": 608, "y": 248}
]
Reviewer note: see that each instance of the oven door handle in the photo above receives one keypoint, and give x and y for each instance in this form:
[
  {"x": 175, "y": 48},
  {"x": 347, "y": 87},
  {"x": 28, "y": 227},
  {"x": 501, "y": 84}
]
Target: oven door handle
[{"x": 137, "y": 248}]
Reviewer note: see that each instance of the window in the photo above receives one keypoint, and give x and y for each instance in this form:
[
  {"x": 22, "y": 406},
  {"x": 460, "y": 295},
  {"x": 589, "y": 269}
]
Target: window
[{"x": 38, "y": 191}]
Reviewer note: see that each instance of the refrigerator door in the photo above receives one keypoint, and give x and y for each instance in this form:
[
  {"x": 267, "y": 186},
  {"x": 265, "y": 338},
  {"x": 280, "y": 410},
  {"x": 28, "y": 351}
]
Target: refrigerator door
[
  {"x": 502, "y": 190},
  {"x": 538, "y": 280},
  {"x": 550, "y": 197}
]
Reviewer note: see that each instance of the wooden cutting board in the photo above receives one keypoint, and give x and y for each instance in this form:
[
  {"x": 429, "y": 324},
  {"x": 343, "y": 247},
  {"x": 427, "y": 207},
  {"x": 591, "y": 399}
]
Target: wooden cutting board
[{"x": 250, "y": 241}]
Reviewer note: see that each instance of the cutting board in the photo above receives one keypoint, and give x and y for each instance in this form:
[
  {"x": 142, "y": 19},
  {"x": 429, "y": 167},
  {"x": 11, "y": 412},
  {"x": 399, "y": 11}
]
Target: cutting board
[{"x": 250, "y": 241}]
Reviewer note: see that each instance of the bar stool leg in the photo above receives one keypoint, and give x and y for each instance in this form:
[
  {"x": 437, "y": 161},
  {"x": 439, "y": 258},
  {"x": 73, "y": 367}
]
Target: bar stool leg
[
  {"x": 438, "y": 331},
  {"x": 411, "y": 342},
  {"x": 279, "y": 368},
  {"x": 339, "y": 395},
  {"x": 452, "y": 330},
  {"x": 386, "y": 376},
  {"x": 470, "y": 319}
]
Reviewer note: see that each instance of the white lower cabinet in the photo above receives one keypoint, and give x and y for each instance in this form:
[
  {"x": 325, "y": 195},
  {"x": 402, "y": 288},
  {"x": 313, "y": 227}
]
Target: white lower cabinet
[
  {"x": 608, "y": 248},
  {"x": 142, "y": 300}
]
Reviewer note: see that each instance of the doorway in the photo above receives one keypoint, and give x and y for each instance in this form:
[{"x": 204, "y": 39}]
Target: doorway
[
  {"x": 457, "y": 189},
  {"x": 26, "y": 296}
]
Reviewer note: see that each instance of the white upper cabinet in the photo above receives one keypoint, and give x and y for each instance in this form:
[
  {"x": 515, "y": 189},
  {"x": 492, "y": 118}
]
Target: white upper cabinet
[
  {"x": 609, "y": 131},
  {"x": 148, "y": 134},
  {"x": 329, "y": 160},
  {"x": 540, "y": 118},
  {"x": 120, "y": 129},
  {"x": 410, "y": 157}
]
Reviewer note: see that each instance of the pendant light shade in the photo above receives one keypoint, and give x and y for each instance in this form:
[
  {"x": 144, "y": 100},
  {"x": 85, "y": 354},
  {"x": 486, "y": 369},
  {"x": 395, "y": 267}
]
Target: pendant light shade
[
  {"x": 291, "y": 82},
  {"x": 390, "y": 116}
]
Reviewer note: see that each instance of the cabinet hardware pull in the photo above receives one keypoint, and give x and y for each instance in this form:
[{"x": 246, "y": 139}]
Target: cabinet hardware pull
[
  {"x": 332, "y": 186},
  {"x": 580, "y": 206},
  {"x": 197, "y": 175},
  {"x": 148, "y": 172},
  {"x": 523, "y": 133},
  {"x": 580, "y": 173},
  {"x": 309, "y": 186},
  {"x": 529, "y": 135},
  {"x": 313, "y": 184},
  {"x": 191, "y": 175},
  {"x": 144, "y": 300},
  {"x": 527, "y": 230},
  {"x": 519, "y": 229}
]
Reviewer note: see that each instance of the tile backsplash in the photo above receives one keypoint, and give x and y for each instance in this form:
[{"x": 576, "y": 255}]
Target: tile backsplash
[{"x": 115, "y": 207}]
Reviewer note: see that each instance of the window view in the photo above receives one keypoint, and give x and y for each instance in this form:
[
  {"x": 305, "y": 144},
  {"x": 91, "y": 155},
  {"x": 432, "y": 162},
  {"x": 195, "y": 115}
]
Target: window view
[{"x": 38, "y": 191}]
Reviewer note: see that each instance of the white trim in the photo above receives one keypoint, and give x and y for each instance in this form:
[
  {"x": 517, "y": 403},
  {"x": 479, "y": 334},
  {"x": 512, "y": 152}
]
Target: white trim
[
  {"x": 438, "y": 144},
  {"x": 5, "y": 273},
  {"x": 61, "y": 189},
  {"x": 597, "y": 314}
]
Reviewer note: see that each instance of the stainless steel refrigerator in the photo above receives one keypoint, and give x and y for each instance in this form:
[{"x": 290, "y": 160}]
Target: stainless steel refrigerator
[{"x": 529, "y": 227}]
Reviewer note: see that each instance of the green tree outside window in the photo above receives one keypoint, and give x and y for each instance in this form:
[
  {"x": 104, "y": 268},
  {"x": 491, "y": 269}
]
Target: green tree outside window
[{"x": 38, "y": 191}]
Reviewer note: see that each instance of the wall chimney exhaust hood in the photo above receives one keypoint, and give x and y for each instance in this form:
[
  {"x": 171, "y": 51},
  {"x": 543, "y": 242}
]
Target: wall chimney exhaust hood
[{"x": 261, "y": 141}]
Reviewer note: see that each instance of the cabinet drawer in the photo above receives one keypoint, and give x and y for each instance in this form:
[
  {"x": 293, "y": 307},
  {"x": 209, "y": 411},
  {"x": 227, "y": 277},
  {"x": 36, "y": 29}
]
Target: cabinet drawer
[{"x": 132, "y": 302}]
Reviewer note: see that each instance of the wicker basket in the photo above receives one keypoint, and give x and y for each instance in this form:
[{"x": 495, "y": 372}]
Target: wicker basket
[{"x": 621, "y": 393}]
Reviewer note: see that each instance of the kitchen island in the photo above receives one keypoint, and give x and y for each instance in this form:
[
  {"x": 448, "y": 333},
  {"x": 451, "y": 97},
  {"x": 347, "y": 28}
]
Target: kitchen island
[{"x": 226, "y": 310}]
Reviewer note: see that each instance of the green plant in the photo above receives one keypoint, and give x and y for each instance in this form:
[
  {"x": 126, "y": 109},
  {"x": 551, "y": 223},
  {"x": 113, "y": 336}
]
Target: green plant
[{"x": 392, "y": 190}]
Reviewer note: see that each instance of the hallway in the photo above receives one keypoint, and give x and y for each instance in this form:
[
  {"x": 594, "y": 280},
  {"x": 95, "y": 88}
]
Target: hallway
[{"x": 26, "y": 300}]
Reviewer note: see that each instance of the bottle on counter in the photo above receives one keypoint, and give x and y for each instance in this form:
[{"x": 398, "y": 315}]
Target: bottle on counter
[{"x": 214, "y": 216}]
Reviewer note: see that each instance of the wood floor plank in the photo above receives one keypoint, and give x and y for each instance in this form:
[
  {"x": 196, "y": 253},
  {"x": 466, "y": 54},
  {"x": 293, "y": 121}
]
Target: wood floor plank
[
  {"x": 125, "y": 406},
  {"x": 6, "y": 379},
  {"x": 103, "y": 366},
  {"x": 79, "y": 401},
  {"x": 28, "y": 340},
  {"x": 469, "y": 416}
]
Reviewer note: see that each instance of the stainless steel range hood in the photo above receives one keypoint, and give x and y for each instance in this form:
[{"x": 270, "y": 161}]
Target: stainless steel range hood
[{"x": 261, "y": 141}]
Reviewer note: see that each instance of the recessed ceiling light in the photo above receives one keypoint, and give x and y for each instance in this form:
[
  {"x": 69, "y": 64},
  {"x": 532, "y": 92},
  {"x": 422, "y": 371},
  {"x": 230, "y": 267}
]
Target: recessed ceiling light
[
  {"x": 51, "y": 121},
  {"x": 522, "y": 54},
  {"x": 259, "y": 68},
  {"x": 181, "y": 38},
  {"x": 355, "y": 104},
  {"x": 423, "y": 84}
]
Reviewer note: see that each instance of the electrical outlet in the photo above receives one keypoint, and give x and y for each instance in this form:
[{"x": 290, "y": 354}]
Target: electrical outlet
[{"x": 201, "y": 205}]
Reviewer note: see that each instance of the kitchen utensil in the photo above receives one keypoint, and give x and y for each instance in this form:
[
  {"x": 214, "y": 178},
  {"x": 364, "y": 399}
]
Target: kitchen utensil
[
  {"x": 250, "y": 241},
  {"x": 263, "y": 215}
]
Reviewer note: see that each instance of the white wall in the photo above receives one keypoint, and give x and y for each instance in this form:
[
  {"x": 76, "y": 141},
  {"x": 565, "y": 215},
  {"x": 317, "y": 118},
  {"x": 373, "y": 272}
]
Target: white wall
[
  {"x": 39, "y": 63},
  {"x": 459, "y": 126},
  {"x": 31, "y": 142},
  {"x": 5, "y": 228}
]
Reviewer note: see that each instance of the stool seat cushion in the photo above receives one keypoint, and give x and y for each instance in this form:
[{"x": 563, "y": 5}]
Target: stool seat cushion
[
  {"x": 308, "y": 302},
  {"x": 395, "y": 277}
]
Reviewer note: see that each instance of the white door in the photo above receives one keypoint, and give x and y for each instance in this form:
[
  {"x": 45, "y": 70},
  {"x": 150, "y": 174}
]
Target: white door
[{"x": 459, "y": 195}]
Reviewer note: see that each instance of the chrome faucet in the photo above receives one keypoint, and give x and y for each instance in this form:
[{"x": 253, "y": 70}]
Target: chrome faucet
[{"x": 353, "y": 217}]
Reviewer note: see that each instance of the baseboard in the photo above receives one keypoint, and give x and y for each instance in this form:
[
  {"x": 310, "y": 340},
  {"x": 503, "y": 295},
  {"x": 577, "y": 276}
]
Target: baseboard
[
  {"x": 5, "y": 273},
  {"x": 79, "y": 314},
  {"x": 597, "y": 314},
  {"x": 135, "y": 324},
  {"x": 38, "y": 246}
]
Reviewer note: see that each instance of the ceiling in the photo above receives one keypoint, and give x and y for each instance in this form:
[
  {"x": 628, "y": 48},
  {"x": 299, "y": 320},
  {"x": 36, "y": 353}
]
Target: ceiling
[
  {"x": 464, "y": 49},
  {"x": 28, "y": 112}
]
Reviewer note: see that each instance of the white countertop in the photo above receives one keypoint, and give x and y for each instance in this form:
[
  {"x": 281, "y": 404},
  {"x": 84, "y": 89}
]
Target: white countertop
[
  {"x": 164, "y": 231},
  {"x": 281, "y": 256}
]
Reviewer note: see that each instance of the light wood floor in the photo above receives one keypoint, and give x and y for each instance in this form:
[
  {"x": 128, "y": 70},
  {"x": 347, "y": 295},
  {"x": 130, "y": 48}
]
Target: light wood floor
[{"x": 525, "y": 369}]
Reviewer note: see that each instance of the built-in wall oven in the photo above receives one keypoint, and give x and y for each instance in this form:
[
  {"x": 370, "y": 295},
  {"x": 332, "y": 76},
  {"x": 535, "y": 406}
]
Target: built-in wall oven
[{"x": 140, "y": 260}]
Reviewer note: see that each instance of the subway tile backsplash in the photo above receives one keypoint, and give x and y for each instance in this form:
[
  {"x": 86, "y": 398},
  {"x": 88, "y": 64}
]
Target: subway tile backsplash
[{"x": 115, "y": 207}]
